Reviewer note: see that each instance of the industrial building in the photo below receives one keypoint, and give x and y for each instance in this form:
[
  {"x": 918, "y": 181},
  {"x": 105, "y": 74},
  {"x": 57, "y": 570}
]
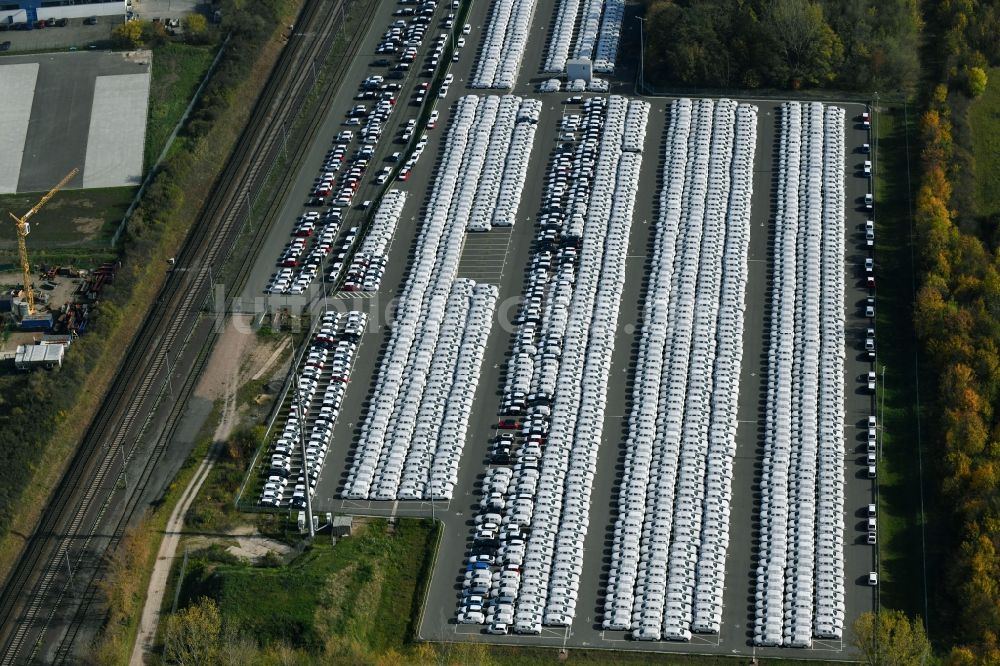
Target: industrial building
[{"x": 30, "y": 11}]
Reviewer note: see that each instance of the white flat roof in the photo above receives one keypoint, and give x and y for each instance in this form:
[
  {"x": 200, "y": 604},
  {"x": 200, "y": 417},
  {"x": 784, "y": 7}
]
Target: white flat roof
[
  {"x": 39, "y": 354},
  {"x": 117, "y": 131},
  {"x": 18, "y": 85}
]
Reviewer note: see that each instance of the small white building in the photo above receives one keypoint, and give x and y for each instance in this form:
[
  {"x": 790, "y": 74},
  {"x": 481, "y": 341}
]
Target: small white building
[
  {"x": 29, "y": 357},
  {"x": 579, "y": 68}
]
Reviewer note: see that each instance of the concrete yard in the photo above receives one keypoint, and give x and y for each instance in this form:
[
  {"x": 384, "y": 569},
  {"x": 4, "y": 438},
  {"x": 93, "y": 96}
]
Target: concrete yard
[
  {"x": 117, "y": 131},
  {"x": 147, "y": 10},
  {"x": 83, "y": 110},
  {"x": 500, "y": 257}
]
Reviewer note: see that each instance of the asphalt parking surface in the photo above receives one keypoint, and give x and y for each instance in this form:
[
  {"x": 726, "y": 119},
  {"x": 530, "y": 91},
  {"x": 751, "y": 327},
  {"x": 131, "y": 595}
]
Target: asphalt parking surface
[
  {"x": 500, "y": 257},
  {"x": 76, "y": 34}
]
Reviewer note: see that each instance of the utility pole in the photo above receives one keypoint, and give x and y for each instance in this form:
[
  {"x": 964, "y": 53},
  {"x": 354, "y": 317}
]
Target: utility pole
[
  {"x": 249, "y": 211},
  {"x": 121, "y": 449},
  {"x": 881, "y": 417},
  {"x": 170, "y": 372},
  {"x": 322, "y": 280}
]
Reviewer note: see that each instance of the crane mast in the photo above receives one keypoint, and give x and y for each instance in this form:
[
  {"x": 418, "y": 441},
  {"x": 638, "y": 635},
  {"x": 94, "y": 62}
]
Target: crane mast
[{"x": 22, "y": 237}]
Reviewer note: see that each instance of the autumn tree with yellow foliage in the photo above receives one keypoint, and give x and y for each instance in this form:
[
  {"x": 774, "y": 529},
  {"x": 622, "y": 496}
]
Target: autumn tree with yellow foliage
[{"x": 957, "y": 319}]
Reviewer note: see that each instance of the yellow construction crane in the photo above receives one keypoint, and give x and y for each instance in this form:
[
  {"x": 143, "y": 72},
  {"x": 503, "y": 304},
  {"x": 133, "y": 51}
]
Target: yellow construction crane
[{"x": 22, "y": 234}]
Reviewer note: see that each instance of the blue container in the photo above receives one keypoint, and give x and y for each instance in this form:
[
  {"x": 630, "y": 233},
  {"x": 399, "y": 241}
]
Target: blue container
[{"x": 36, "y": 322}]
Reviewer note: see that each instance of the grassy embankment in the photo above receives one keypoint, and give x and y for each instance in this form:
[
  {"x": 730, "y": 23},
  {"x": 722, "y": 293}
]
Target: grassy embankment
[
  {"x": 357, "y": 603},
  {"x": 177, "y": 71},
  {"x": 901, "y": 518}
]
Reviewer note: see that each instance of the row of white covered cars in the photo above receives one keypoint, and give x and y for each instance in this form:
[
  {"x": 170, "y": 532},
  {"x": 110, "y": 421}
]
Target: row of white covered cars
[
  {"x": 503, "y": 165},
  {"x": 415, "y": 427},
  {"x": 503, "y": 44},
  {"x": 800, "y": 572},
  {"x": 299, "y": 451},
  {"x": 671, "y": 533},
  {"x": 538, "y": 528},
  {"x": 368, "y": 264},
  {"x": 596, "y": 26}
]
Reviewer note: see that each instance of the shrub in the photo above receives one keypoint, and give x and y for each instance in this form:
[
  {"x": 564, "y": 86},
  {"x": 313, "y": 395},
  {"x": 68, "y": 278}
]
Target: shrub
[
  {"x": 196, "y": 29},
  {"x": 127, "y": 35},
  {"x": 975, "y": 81}
]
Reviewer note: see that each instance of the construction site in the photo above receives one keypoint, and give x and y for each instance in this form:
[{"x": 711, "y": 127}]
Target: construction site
[{"x": 43, "y": 309}]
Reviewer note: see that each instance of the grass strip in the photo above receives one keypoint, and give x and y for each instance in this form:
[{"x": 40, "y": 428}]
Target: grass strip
[
  {"x": 178, "y": 69},
  {"x": 901, "y": 543},
  {"x": 72, "y": 220}
]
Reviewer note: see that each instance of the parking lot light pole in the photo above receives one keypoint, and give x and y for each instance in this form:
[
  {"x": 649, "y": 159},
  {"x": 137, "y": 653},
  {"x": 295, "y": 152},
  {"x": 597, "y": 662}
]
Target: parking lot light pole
[
  {"x": 302, "y": 443},
  {"x": 121, "y": 449},
  {"x": 322, "y": 281},
  {"x": 642, "y": 55}
]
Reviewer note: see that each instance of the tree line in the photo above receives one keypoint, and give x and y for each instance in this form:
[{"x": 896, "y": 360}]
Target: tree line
[
  {"x": 957, "y": 318},
  {"x": 786, "y": 44}
]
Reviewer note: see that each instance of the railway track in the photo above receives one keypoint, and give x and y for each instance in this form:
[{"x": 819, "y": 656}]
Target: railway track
[
  {"x": 177, "y": 411},
  {"x": 65, "y": 557}
]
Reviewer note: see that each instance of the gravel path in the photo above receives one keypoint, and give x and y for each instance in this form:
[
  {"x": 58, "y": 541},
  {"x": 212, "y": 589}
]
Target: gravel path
[{"x": 223, "y": 375}]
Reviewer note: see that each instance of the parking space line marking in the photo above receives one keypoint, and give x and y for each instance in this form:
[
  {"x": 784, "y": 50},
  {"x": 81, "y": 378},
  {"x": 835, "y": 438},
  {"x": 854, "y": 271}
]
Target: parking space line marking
[{"x": 484, "y": 268}]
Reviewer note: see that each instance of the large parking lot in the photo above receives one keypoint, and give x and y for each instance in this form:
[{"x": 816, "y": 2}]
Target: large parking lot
[{"x": 655, "y": 338}]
